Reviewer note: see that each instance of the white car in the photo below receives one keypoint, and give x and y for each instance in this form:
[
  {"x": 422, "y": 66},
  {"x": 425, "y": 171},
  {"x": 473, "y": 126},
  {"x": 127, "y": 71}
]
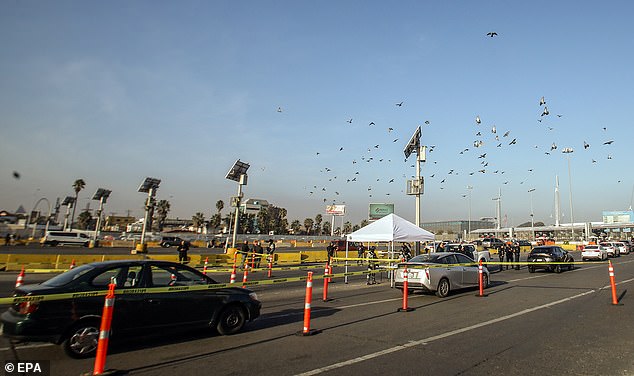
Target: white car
[
  {"x": 612, "y": 250},
  {"x": 622, "y": 247},
  {"x": 594, "y": 252}
]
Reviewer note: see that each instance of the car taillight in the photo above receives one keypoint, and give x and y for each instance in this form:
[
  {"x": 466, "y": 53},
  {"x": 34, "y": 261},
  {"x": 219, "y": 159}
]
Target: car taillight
[
  {"x": 427, "y": 274},
  {"x": 28, "y": 307}
]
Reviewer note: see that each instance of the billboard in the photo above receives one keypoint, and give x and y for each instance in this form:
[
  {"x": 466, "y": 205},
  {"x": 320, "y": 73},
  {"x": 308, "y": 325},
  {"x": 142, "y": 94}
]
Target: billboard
[
  {"x": 378, "y": 211},
  {"x": 618, "y": 216},
  {"x": 336, "y": 209}
]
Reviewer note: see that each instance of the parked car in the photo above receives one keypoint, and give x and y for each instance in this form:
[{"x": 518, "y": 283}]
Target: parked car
[
  {"x": 628, "y": 244},
  {"x": 424, "y": 273},
  {"x": 612, "y": 250},
  {"x": 470, "y": 251},
  {"x": 492, "y": 243},
  {"x": 170, "y": 241},
  {"x": 594, "y": 252},
  {"x": 74, "y": 322},
  {"x": 556, "y": 256},
  {"x": 623, "y": 249},
  {"x": 55, "y": 238}
]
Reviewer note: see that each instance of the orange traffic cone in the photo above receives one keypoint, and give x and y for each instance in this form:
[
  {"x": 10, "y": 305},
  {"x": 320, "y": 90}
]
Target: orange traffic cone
[
  {"x": 72, "y": 264},
  {"x": 18, "y": 282}
]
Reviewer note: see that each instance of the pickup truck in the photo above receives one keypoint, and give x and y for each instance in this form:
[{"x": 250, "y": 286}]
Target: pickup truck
[{"x": 470, "y": 251}]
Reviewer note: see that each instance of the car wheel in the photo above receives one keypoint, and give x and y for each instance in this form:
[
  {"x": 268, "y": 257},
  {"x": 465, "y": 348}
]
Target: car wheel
[
  {"x": 231, "y": 320},
  {"x": 53, "y": 243},
  {"x": 443, "y": 288},
  {"x": 166, "y": 245},
  {"x": 557, "y": 268},
  {"x": 485, "y": 280},
  {"x": 531, "y": 269},
  {"x": 81, "y": 340}
]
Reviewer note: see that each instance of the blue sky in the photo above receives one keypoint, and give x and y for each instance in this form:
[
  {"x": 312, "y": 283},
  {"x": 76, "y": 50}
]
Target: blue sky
[{"x": 112, "y": 92}]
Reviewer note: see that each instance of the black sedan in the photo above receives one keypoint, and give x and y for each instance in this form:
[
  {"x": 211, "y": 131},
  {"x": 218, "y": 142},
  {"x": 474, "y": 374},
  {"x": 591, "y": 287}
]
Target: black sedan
[
  {"x": 74, "y": 322},
  {"x": 549, "y": 257}
]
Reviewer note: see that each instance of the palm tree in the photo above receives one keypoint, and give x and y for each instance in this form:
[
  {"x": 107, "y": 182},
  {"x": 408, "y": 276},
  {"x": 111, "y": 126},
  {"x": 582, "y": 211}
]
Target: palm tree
[
  {"x": 163, "y": 207},
  {"x": 296, "y": 226},
  {"x": 318, "y": 220},
  {"x": 198, "y": 221},
  {"x": 220, "y": 205},
  {"x": 78, "y": 185},
  {"x": 308, "y": 224},
  {"x": 83, "y": 220}
]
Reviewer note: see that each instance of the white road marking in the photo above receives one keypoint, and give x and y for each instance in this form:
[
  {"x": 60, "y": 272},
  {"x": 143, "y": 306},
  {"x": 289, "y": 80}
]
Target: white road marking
[{"x": 426, "y": 341}]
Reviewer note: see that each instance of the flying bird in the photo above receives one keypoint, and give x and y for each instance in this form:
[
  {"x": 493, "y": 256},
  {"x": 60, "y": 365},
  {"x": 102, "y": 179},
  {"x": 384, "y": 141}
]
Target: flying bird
[
  {"x": 390, "y": 129},
  {"x": 506, "y": 134},
  {"x": 371, "y": 124},
  {"x": 542, "y": 101},
  {"x": 586, "y": 145},
  {"x": 349, "y": 121},
  {"x": 16, "y": 175},
  {"x": 545, "y": 112},
  {"x": 553, "y": 146},
  {"x": 400, "y": 104},
  {"x": 427, "y": 122},
  {"x": 341, "y": 148},
  {"x": 396, "y": 139},
  {"x": 608, "y": 142},
  {"x": 478, "y": 120},
  {"x": 492, "y": 34},
  {"x": 279, "y": 109},
  {"x": 513, "y": 142},
  {"x": 483, "y": 155},
  {"x": 493, "y": 130}
]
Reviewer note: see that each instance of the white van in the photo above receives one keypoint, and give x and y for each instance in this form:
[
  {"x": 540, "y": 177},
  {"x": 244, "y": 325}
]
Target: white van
[{"x": 54, "y": 238}]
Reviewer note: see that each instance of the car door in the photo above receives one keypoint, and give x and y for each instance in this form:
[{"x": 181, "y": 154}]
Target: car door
[
  {"x": 451, "y": 271},
  {"x": 469, "y": 271}
]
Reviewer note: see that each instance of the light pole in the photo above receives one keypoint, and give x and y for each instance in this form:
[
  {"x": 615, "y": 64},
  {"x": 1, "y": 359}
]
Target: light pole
[
  {"x": 101, "y": 195},
  {"x": 238, "y": 173},
  {"x": 469, "y": 188},
  {"x": 532, "y": 214},
  {"x": 569, "y": 151},
  {"x": 149, "y": 186},
  {"x": 69, "y": 202}
]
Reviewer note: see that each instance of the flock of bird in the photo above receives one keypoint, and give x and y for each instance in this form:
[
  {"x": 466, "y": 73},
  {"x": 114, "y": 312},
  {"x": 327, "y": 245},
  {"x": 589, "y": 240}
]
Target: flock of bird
[{"x": 487, "y": 139}]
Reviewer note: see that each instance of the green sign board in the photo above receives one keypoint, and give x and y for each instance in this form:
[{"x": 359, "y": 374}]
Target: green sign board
[{"x": 378, "y": 211}]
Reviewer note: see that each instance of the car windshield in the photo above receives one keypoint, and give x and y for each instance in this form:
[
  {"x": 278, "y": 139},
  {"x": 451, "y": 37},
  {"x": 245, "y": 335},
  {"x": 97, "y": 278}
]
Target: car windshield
[
  {"x": 432, "y": 257},
  {"x": 541, "y": 250},
  {"x": 68, "y": 276}
]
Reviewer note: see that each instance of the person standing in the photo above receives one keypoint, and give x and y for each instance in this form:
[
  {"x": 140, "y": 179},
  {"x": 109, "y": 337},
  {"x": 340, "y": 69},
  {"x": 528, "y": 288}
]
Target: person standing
[
  {"x": 516, "y": 251},
  {"x": 509, "y": 255},
  {"x": 372, "y": 265},
  {"x": 360, "y": 254},
  {"x": 270, "y": 250},
  {"x": 257, "y": 253},
  {"x": 331, "y": 252},
  {"x": 501, "y": 252},
  {"x": 182, "y": 251},
  {"x": 7, "y": 239},
  {"x": 244, "y": 251}
]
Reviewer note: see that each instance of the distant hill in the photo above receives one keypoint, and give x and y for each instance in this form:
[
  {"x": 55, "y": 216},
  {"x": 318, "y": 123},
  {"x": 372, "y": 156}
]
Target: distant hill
[{"x": 528, "y": 224}]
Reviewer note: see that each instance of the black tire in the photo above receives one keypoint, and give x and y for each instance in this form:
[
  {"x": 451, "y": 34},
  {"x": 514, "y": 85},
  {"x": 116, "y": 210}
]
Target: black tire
[
  {"x": 485, "y": 281},
  {"x": 166, "y": 245},
  {"x": 81, "y": 340},
  {"x": 531, "y": 269},
  {"x": 53, "y": 243},
  {"x": 443, "y": 289},
  {"x": 231, "y": 320},
  {"x": 557, "y": 268}
]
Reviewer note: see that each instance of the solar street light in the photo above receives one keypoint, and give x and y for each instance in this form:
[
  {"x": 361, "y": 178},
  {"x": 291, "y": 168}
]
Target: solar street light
[
  {"x": 569, "y": 151},
  {"x": 101, "y": 195},
  {"x": 149, "y": 186},
  {"x": 69, "y": 202},
  {"x": 237, "y": 173},
  {"x": 415, "y": 187}
]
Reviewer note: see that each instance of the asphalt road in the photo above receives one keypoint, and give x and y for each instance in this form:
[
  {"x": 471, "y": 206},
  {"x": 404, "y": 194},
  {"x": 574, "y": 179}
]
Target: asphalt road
[{"x": 528, "y": 324}]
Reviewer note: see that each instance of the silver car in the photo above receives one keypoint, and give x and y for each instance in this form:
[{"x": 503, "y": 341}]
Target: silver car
[{"x": 440, "y": 272}]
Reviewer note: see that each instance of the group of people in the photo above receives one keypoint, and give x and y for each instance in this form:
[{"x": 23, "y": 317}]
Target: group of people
[
  {"x": 512, "y": 253},
  {"x": 256, "y": 252}
]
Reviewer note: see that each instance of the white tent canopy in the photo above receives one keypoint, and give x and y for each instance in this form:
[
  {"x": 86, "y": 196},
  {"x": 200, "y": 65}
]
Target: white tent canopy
[{"x": 390, "y": 228}]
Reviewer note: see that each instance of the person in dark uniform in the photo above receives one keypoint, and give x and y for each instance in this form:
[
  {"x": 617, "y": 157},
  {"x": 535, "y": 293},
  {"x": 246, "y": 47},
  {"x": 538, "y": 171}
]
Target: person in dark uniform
[
  {"x": 257, "y": 250},
  {"x": 372, "y": 265},
  {"x": 406, "y": 252},
  {"x": 331, "y": 252},
  {"x": 360, "y": 254},
  {"x": 509, "y": 255},
  {"x": 244, "y": 251},
  {"x": 182, "y": 251},
  {"x": 516, "y": 251}
]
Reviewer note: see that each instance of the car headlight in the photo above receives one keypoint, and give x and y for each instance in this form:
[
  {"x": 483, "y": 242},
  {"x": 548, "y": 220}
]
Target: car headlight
[{"x": 253, "y": 296}]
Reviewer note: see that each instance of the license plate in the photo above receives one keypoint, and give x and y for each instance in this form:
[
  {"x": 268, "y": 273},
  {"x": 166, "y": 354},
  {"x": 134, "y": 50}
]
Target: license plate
[{"x": 411, "y": 275}]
